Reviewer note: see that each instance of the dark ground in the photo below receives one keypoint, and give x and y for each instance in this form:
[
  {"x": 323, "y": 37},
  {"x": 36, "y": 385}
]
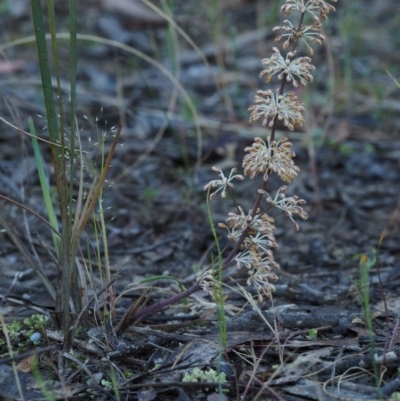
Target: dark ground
[{"x": 348, "y": 152}]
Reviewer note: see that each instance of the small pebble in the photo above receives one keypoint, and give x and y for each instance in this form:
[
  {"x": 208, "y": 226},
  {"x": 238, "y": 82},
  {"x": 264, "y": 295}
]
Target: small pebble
[
  {"x": 11, "y": 259},
  {"x": 35, "y": 337}
]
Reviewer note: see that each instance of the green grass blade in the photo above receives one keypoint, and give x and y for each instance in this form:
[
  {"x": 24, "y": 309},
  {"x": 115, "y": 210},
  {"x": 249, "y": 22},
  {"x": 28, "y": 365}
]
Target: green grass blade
[
  {"x": 219, "y": 299},
  {"x": 45, "y": 72},
  {"x": 44, "y": 185},
  {"x": 53, "y": 36},
  {"x": 218, "y": 295},
  {"x": 72, "y": 79},
  {"x": 51, "y": 113}
]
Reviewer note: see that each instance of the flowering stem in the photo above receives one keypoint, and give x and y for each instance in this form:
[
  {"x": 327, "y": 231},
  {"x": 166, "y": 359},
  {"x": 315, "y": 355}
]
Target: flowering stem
[
  {"x": 257, "y": 203},
  {"x": 281, "y": 101}
]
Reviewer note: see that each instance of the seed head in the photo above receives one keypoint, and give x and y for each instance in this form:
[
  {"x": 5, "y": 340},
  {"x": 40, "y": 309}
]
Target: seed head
[
  {"x": 224, "y": 183},
  {"x": 259, "y": 266},
  {"x": 207, "y": 283},
  {"x": 284, "y": 107},
  {"x": 308, "y": 34},
  {"x": 264, "y": 157},
  {"x": 299, "y": 67},
  {"x": 289, "y": 205},
  {"x": 313, "y": 7}
]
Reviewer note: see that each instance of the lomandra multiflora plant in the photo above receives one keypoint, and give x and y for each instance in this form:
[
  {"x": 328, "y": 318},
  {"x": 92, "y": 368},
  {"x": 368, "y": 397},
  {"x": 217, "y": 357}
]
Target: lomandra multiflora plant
[{"x": 252, "y": 233}]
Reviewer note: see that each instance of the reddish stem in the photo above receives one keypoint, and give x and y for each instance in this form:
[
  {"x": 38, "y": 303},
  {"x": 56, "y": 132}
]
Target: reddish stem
[{"x": 162, "y": 304}]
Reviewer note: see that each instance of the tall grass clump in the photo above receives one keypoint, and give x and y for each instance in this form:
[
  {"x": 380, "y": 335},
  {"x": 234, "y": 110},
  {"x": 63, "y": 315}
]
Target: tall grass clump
[
  {"x": 75, "y": 210},
  {"x": 251, "y": 233}
]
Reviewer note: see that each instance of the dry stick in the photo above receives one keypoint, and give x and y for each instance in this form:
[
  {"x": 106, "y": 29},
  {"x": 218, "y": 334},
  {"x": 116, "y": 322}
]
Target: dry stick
[{"x": 176, "y": 298}]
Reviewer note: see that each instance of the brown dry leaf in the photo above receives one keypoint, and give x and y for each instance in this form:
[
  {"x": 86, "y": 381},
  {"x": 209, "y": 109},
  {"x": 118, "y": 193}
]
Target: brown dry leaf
[{"x": 27, "y": 364}]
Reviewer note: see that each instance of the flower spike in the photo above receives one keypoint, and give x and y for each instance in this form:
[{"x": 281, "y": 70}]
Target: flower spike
[{"x": 252, "y": 234}]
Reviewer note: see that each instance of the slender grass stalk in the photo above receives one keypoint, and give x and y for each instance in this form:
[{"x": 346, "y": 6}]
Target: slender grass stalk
[
  {"x": 72, "y": 80},
  {"x": 44, "y": 184},
  {"x": 114, "y": 383},
  {"x": 365, "y": 266},
  {"x": 217, "y": 288},
  {"x": 106, "y": 265},
  {"x": 103, "y": 233}
]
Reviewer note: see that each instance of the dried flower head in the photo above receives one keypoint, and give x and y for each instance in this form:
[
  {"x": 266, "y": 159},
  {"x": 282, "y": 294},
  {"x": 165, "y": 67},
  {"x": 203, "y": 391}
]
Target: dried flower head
[
  {"x": 308, "y": 34},
  {"x": 260, "y": 242},
  {"x": 263, "y": 224},
  {"x": 224, "y": 183},
  {"x": 260, "y": 226},
  {"x": 239, "y": 221},
  {"x": 284, "y": 107},
  {"x": 207, "y": 283},
  {"x": 234, "y": 233},
  {"x": 264, "y": 157},
  {"x": 313, "y": 7},
  {"x": 289, "y": 205},
  {"x": 259, "y": 266},
  {"x": 299, "y": 67}
]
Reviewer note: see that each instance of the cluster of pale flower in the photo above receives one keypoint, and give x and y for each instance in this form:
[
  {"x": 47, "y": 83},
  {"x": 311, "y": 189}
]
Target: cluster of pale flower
[{"x": 253, "y": 233}]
